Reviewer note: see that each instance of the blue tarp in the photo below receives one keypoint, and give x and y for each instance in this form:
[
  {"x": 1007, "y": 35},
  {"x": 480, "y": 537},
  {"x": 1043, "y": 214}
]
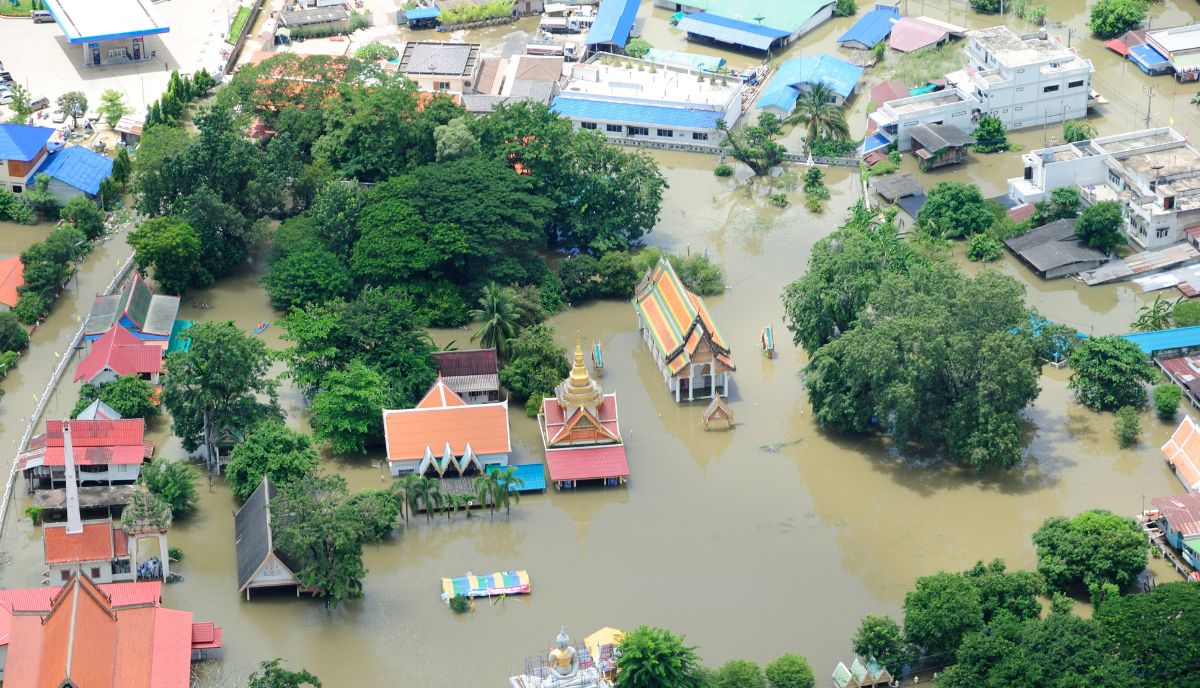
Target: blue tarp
[
  {"x": 78, "y": 167},
  {"x": 635, "y": 113},
  {"x": 422, "y": 13},
  {"x": 614, "y": 21},
  {"x": 875, "y": 142},
  {"x": 784, "y": 88},
  {"x": 1162, "y": 340},
  {"x": 873, "y": 27},
  {"x": 731, "y": 31},
  {"x": 22, "y": 143},
  {"x": 1148, "y": 59}
]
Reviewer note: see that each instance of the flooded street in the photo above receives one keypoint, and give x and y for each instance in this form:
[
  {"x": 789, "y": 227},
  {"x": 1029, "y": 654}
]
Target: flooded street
[{"x": 770, "y": 538}]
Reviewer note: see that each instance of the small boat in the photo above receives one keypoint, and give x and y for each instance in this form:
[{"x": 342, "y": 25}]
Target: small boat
[
  {"x": 491, "y": 585},
  {"x": 597, "y": 359},
  {"x": 258, "y": 329},
  {"x": 767, "y": 339}
]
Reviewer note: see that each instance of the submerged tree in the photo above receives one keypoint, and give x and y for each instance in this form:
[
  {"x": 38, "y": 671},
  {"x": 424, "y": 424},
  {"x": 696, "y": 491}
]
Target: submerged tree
[
  {"x": 271, "y": 674},
  {"x": 655, "y": 658},
  {"x": 316, "y": 522},
  {"x": 754, "y": 145},
  {"x": 1109, "y": 372},
  {"x": 1094, "y": 547},
  {"x": 816, "y": 111}
]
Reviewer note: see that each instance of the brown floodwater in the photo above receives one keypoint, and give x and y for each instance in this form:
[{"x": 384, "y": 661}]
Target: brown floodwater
[{"x": 773, "y": 537}]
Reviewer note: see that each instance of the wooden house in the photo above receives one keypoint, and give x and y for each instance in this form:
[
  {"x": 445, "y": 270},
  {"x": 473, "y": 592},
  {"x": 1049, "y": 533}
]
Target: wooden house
[
  {"x": 1179, "y": 518},
  {"x": 938, "y": 145},
  {"x": 259, "y": 563},
  {"x": 690, "y": 352},
  {"x": 472, "y": 374},
  {"x": 106, "y": 452}
]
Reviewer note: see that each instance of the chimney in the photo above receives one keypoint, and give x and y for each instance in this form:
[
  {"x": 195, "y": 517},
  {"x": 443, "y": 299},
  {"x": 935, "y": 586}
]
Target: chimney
[{"x": 74, "y": 522}]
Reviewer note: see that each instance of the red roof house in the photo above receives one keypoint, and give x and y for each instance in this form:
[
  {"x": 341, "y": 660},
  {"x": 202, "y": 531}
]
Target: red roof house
[
  {"x": 12, "y": 275},
  {"x": 118, "y": 352},
  {"x": 580, "y": 431},
  {"x": 91, "y": 638},
  {"x": 444, "y": 432},
  {"x": 101, "y": 551},
  {"x": 105, "y": 451}
]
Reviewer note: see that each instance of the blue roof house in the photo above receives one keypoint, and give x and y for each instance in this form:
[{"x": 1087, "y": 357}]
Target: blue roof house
[
  {"x": 714, "y": 28},
  {"x": 874, "y": 26},
  {"x": 793, "y": 77},
  {"x": 75, "y": 170},
  {"x": 758, "y": 25},
  {"x": 22, "y": 150},
  {"x": 614, "y": 22}
]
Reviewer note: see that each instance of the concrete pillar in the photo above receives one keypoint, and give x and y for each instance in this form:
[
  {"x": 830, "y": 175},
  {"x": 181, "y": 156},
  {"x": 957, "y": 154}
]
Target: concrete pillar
[{"x": 162, "y": 554}]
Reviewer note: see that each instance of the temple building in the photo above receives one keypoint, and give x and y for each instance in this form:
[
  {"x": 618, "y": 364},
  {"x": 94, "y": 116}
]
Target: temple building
[
  {"x": 580, "y": 431},
  {"x": 444, "y": 436},
  {"x": 690, "y": 352}
]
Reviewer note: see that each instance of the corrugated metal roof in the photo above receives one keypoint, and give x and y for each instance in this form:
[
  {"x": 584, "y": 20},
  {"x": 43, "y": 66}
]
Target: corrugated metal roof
[
  {"x": 614, "y": 21},
  {"x": 873, "y": 27},
  {"x": 1162, "y": 340},
  {"x": 466, "y": 362},
  {"x": 909, "y": 34},
  {"x": 588, "y": 463},
  {"x": 1181, "y": 511},
  {"x": 78, "y": 167},
  {"x": 422, "y": 13},
  {"x": 635, "y": 113},
  {"x": 839, "y": 75},
  {"x": 732, "y": 31},
  {"x": 21, "y": 142}
]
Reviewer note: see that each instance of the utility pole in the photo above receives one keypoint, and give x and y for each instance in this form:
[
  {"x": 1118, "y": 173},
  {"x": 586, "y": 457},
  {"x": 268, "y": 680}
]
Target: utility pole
[{"x": 1149, "y": 91}]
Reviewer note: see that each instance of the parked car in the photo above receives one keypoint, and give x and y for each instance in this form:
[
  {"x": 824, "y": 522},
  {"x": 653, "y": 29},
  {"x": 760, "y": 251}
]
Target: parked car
[
  {"x": 41, "y": 17},
  {"x": 39, "y": 104},
  {"x": 58, "y": 117},
  {"x": 5, "y": 78},
  {"x": 6, "y": 97}
]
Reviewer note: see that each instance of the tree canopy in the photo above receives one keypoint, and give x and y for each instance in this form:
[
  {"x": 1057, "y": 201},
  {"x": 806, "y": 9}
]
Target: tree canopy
[
  {"x": 1110, "y": 18},
  {"x": 272, "y": 450},
  {"x": 939, "y": 611},
  {"x": 535, "y": 366},
  {"x": 754, "y": 145},
  {"x": 881, "y": 638},
  {"x": 174, "y": 482},
  {"x": 271, "y": 674},
  {"x": 316, "y": 522},
  {"x": 1100, "y": 226},
  {"x": 954, "y": 210},
  {"x": 655, "y": 658},
  {"x": 1109, "y": 373},
  {"x": 1092, "y": 548},
  {"x": 128, "y": 395},
  {"x": 346, "y": 410}
]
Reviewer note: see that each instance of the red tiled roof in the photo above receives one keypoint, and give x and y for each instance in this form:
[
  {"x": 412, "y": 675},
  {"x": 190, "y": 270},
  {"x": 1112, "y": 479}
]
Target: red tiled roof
[
  {"x": 1022, "y": 212},
  {"x": 888, "y": 90},
  {"x": 558, "y": 427},
  {"x": 1182, "y": 451},
  {"x": 96, "y": 442},
  {"x": 41, "y": 599},
  {"x": 1181, "y": 511},
  {"x": 106, "y": 645},
  {"x": 443, "y": 417},
  {"x": 587, "y": 463},
  {"x": 123, "y": 353},
  {"x": 469, "y": 362},
  {"x": 12, "y": 275},
  {"x": 97, "y": 542},
  {"x": 206, "y": 636}
]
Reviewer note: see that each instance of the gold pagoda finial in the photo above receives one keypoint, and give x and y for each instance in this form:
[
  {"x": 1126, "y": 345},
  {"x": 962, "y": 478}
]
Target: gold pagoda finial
[{"x": 579, "y": 389}]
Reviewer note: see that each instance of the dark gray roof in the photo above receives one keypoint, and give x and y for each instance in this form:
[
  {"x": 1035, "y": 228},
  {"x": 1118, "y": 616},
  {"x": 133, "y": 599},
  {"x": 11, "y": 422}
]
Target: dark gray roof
[
  {"x": 1005, "y": 200},
  {"x": 151, "y": 313},
  {"x": 938, "y": 136},
  {"x": 252, "y": 528},
  {"x": 160, "y": 316},
  {"x": 540, "y": 91},
  {"x": 317, "y": 15},
  {"x": 912, "y": 204},
  {"x": 896, "y": 186},
  {"x": 436, "y": 58},
  {"x": 1053, "y": 246},
  {"x": 105, "y": 311}
]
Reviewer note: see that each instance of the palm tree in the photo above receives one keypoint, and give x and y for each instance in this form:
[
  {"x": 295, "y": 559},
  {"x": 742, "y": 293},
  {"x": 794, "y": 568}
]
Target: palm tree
[
  {"x": 506, "y": 479},
  {"x": 498, "y": 318},
  {"x": 431, "y": 496},
  {"x": 406, "y": 494},
  {"x": 816, "y": 110},
  {"x": 485, "y": 490}
]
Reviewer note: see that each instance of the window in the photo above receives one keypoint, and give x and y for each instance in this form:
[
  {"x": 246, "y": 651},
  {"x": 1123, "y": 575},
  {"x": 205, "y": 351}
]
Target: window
[
  {"x": 1020, "y": 108},
  {"x": 668, "y": 133},
  {"x": 441, "y": 85},
  {"x": 1020, "y": 88},
  {"x": 1050, "y": 89},
  {"x": 1160, "y": 233},
  {"x": 1075, "y": 84},
  {"x": 17, "y": 188},
  {"x": 613, "y": 128},
  {"x": 1114, "y": 178},
  {"x": 95, "y": 572},
  {"x": 699, "y": 136},
  {"x": 1021, "y": 70},
  {"x": 65, "y": 575},
  {"x": 639, "y": 131},
  {"x": 588, "y": 125},
  {"x": 959, "y": 114}
]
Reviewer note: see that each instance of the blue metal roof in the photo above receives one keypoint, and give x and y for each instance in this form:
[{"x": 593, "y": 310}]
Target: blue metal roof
[
  {"x": 78, "y": 167},
  {"x": 532, "y": 475},
  {"x": 614, "y": 21},
  {"x": 1148, "y": 57},
  {"x": 635, "y": 113},
  {"x": 423, "y": 13},
  {"x": 732, "y": 31},
  {"x": 873, "y": 27},
  {"x": 784, "y": 87},
  {"x": 1161, "y": 340},
  {"x": 22, "y": 143}
]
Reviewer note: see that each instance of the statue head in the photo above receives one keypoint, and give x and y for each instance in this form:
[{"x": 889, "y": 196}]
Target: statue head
[{"x": 563, "y": 639}]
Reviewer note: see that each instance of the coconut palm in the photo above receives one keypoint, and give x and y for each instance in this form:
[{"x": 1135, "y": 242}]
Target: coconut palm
[
  {"x": 498, "y": 318},
  {"x": 506, "y": 483},
  {"x": 815, "y": 109},
  {"x": 406, "y": 494},
  {"x": 431, "y": 496}
]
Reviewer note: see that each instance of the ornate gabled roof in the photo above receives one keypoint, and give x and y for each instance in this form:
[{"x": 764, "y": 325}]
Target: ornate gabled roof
[{"x": 677, "y": 319}]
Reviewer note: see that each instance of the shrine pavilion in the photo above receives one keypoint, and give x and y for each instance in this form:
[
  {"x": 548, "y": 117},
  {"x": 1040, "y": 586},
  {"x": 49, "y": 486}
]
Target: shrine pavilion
[{"x": 580, "y": 431}]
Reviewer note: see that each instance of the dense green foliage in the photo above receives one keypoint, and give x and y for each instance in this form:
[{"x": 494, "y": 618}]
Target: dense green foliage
[
  {"x": 738, "y": 673},
  {"x": 954, "y": 210},
  {"x": 790, "y": 671},
  {"x": 1128, "y": 428},
  {"x": 376, "y": 51},
  {"x": 984, "y": 248},
  {"x": 84, "y": 215},
  {"x": 168, "y": 248},
  {"x": 377, "y": 513},
  {"x": 1077, "y": 130},
  {"x": 271, "y": 674},
  {"x": 815, "y": 191},
  {"x": 497, "y": 318},
  {"x": 174, "y": 482},
  {"x": 637, "y": 47},
  {"x": 219, "y": 387},
  {"x": 1093, "y": 548},
  {"x": 754, "y": 145},
  {"x": 1100, "y": 226},
  {"x": 271, "y": 450},
  {"x": 1156, "y": 632},
  {"x": 535, "y": 366},
  {"x": 317, "y": 523},
  {"x": 655, "y": 658},
  {"x": 1110, "y": 18},
  {"x": 1166, "y": 400},
  {"x": 845, "y": 8},
  {"x": 821, "y": 118},
  {"x": 47, "y": 267},
  {"x": 13, "y": 337},
  {"x": 990, "y": 135},
  {"x": 346, "y": 411},
  {"x": 1109, "y": 372},
  {"x": 881, "y": 638},
  {"x": 128, "y": 395},
  {"x": 939, "y": 611},
  {"x": 1186, "y": 313},
  {"x": 1155, "y": 315}
]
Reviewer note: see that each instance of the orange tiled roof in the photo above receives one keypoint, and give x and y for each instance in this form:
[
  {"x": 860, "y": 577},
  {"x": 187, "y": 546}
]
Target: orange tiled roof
[
  {"x": 442, "y": 417},
  {"x": 1183, "y": 453},
  {"x": 97, "y": 542},
  {"x": 12, "y": 275},
  {"x": 677, "y": 319}
]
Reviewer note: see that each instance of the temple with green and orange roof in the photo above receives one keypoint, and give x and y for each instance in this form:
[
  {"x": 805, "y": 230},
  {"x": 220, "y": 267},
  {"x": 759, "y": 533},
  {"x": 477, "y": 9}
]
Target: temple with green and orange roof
[{"x": 690, "y": 352}]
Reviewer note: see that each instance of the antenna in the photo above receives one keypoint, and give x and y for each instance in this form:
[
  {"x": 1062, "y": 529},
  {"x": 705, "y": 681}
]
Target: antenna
[{"x": 74, "y": 522}]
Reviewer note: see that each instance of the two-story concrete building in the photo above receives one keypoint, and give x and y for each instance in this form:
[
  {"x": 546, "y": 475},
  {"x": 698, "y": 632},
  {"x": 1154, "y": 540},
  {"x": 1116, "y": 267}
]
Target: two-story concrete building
[
  {"x": 1153, "y": 173},
  {"x": 1025, "y": 80},
  {"x": 441, "y": 66}
]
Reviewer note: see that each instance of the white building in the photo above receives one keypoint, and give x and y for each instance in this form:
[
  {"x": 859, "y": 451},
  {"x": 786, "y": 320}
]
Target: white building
[
  {"x": 1153, "y": 173},
  {"x": 1026, "y": 81},
  {"x": 659, "y": 103}
]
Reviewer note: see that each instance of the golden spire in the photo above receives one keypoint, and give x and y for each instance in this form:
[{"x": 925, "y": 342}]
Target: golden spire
[{"x": 580, "y": 389}]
